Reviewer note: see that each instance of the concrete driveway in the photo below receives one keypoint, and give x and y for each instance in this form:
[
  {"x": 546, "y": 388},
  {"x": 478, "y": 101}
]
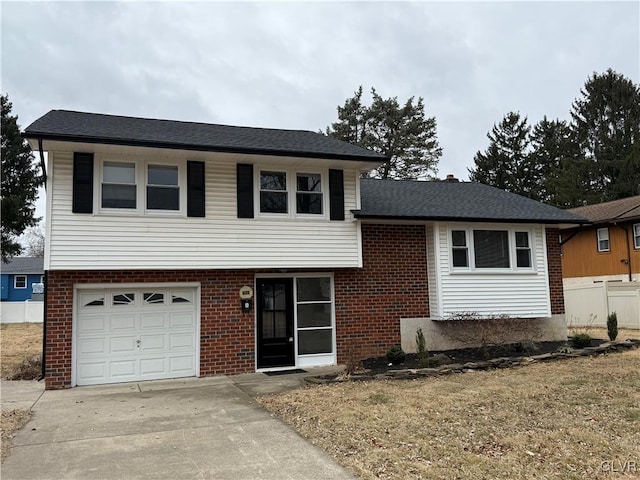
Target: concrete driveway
[{"x": 179, "y": 429}]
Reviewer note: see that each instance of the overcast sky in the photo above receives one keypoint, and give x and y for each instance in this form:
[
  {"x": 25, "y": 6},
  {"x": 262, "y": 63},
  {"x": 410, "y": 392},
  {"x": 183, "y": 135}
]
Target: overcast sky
[{"x": 289, "y": 64}]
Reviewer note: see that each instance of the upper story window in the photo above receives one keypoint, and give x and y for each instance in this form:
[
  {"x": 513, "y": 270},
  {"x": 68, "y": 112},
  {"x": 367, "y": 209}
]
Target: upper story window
[
  {"x": 20, "y": 281},
  {"x": 274, "y": 197},
  {"x": 636, "y": 235},
  {"x": 163, "y": 190},
  {"x": 602, "y": 235},
  {"x": 491, "y": 249},
  {"x": 309, "y": 193},
  {"x": 119, "y": 185}
]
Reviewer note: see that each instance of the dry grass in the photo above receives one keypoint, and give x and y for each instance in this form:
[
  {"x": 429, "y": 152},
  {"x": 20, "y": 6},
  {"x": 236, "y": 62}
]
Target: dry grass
[
  {"x": 557, "y": 420},
  {"x": 601, "y": 332},
  {"x": 18, "y": 342},
  {"x": 10, "y": 422}
]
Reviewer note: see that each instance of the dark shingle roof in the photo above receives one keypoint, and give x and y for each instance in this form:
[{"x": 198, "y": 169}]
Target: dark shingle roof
[
  {"x": 624, "y": 209},
  {"x": 464, "y": 201},
  {"x": 23, "y": 265},
  {"x": 111, "y": 129}
]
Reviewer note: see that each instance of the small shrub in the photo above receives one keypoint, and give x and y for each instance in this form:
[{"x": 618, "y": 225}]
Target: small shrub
[
  {"x": 421, "y": 347},
  {"x": 612, "y": 326},
  {"x": 527, "y": 346},
  {"x": 396, "y": 355},
  {"x": 29, "y": 369},
  {"x": 565, "y": 349},
  {"x": 581, "y": 340}
]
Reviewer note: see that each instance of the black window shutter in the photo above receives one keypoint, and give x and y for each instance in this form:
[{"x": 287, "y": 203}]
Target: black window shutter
[
  {"x": 336, "y": 195},
  {"x": 82, "y": 183},
  {"x": 195, "y": 189},
  {"x": 245, "y": 190}
]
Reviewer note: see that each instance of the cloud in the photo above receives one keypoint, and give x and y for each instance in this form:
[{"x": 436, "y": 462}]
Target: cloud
[{"x": 288, "y": 65}]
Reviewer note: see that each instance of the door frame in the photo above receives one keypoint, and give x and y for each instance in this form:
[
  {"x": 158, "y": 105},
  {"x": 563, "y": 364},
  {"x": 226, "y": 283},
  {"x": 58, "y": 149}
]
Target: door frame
[
  {"x": 78, "y": 287},
  {"x": 293, "y": 275},
  {"x": 290, "y": 320}
]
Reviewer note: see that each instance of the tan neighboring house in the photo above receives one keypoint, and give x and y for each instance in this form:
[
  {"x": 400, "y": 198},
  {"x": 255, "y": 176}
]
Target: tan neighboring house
[{"x": 601, "y": 264}]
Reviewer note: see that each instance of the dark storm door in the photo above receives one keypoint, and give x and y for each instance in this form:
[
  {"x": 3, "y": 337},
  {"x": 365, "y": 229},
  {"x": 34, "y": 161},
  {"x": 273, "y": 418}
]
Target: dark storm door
[{"x": 275, "y": 322}]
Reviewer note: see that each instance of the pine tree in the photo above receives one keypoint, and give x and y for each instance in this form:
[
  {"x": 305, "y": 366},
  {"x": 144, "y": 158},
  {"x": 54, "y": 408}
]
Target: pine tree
[
  {"x": 606, "y": 121},
  {"x": 401, "y": 132},
  {"x": 20, "y": 181},
  {"x": 506, "y": 163}
]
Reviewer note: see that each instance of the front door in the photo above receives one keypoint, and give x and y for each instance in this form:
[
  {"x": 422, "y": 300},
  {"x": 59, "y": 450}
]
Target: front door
[{"x": 275, "y": 322}]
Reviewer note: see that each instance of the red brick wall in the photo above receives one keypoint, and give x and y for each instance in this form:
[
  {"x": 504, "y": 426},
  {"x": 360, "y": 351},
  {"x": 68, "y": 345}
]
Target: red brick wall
[
  {"x": 391, "y": 285},
  {"x": 554, "y": 262}
]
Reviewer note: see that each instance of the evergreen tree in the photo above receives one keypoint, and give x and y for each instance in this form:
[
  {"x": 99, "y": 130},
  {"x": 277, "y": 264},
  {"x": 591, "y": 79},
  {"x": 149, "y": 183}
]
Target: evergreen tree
[
  {"x": 20, "y": 181},
  {"x": 606, "y": 121},
  {"x": 506, "y": 163},
  {"x": 401, "y": 132},
  {"x": 560, "y": 173}
]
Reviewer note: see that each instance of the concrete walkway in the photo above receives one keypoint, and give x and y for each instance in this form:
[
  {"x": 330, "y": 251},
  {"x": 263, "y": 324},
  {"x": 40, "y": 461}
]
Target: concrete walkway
[{"x": 208, "y": 428}]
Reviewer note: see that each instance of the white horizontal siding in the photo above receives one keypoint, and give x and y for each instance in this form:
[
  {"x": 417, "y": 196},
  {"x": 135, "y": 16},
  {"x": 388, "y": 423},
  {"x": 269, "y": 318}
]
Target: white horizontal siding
[
  {"x": 220, "y": 240},
  {"x": 515, "y": 294}
]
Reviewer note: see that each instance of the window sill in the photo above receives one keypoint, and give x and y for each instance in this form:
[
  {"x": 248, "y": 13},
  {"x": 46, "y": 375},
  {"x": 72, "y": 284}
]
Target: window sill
[{"x": 493, "y": 272}]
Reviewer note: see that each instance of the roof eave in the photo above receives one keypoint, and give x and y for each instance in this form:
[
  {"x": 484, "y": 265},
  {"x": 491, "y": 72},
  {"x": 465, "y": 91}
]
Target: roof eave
[
  {"x": 180, "y": 146},
  {"x": 432, "y": 218}
]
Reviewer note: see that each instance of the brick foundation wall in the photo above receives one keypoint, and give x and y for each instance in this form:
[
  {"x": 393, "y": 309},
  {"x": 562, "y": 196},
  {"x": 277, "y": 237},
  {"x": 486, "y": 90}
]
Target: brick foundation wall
[
  {"x": 391, "y": 285},
  {"x": 554, "y": 263}
]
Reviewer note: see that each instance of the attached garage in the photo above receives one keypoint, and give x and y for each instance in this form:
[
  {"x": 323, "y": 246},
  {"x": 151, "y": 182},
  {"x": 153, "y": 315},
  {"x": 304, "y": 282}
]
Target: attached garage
[{"x": 136, "y": 333}]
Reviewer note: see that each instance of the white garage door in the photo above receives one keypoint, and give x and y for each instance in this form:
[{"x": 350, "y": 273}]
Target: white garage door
[{"x": 134, "y": 334}]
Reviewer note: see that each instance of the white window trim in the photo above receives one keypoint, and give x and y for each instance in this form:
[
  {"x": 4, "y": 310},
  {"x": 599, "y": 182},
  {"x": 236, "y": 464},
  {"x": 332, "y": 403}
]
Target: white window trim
[
  {"x": 291, "y": 193},
  {"x": 15, "y": 282},
  {"x": 636, "y": 235},
  {"x": 513, "y": 268},
  {"x": 598, "y": 240},
  {"x": 141, "y": 166}
]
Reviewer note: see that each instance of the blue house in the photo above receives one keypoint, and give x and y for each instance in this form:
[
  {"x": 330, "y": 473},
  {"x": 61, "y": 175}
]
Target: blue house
[{"x": 18, "y": 276}]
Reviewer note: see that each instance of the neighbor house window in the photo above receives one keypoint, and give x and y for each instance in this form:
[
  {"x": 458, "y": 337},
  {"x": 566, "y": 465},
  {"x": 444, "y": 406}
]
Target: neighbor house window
[
  {"x": 523, "y": 250},
  {"x": 459, "y": 248},
  {"x": 603, "y": 239},
  {"x": 163, "y": 191},
  {"x": 119, "y": 185},
  {"x": 636, "y": 235},
  {"x": 309, "y": 193},
  {"x": 491, "y": 249},
  {"x": 274, "y": 197},
  {"x": 20, "y": 281}
]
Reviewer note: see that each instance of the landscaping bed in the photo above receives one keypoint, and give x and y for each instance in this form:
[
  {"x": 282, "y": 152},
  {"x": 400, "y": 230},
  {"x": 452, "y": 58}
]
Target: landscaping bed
[{"x": 469, "y": 359}]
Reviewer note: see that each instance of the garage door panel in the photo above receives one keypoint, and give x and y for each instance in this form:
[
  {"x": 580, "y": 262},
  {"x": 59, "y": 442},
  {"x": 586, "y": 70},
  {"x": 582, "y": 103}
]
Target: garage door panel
[
  {"x": 182, "y": 319},
  {"x": 181, "y": 341},
  {"x": 150, "y": 321},
  {"x": 149, "y": 343},
  {"x": 153, "y": 366},
  {"x": 92, "y": 324},
  {"x": 123, "y": 369},
  {"x": 92, "y": 346},
  {"x": 122, "y": 322},
  {"x": 182, "y": 365},
  {"x": 123, "y": 345},
  {"x": 93, "y": 372},
  {"x": 137, "y": 334}
]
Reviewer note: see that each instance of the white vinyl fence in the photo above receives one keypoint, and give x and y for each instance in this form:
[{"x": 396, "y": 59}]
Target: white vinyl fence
[
  {"x": 590, "y": 304},
  {"x": 20, "y": 312}
]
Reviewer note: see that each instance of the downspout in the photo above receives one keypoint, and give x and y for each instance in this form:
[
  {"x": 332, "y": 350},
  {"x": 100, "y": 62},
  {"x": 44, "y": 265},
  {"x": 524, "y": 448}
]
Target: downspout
[
  {"x": 43, "y": 166},
  {"x": 44, "y": 326},
  {"x": 628, "y": 262}
]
